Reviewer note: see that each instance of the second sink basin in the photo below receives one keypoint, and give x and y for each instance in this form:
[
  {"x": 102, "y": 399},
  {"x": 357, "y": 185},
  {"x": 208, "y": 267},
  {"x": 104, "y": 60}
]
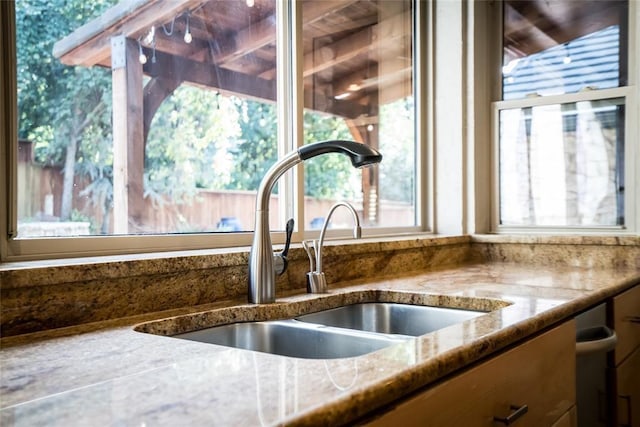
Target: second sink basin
[
  {"x": 391, "y": 318},
  {"x": 292, "y": 338}
]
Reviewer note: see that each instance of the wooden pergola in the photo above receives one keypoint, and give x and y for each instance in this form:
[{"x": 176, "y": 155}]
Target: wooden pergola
[
  {"x": 357, "y": 56},
  {"x": 532, "y": 26}
]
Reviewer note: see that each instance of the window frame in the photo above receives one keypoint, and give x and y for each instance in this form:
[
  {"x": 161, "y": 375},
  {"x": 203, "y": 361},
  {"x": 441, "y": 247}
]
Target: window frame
[
  {"x": 632, "y": 131},
  {"x": 289, "y": 86}
]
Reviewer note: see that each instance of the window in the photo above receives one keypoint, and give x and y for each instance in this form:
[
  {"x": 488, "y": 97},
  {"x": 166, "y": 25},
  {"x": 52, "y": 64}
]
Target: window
[
  {"x": 564, "y": 156},
  {"x": 373, "y": 87},
  {"x": 161, "y": 120}
]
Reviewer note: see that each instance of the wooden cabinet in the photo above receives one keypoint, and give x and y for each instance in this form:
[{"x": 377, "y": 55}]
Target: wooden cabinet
[
  {"x": 626, "y": 360},
  {"x": 626, "y": 322},
  {"x": 628, "y": 390},
  {"x": 538, "y": 374}
]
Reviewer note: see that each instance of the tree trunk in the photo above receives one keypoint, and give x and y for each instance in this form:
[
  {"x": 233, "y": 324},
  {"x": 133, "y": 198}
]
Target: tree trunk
[{"x": 68, "y": 175}]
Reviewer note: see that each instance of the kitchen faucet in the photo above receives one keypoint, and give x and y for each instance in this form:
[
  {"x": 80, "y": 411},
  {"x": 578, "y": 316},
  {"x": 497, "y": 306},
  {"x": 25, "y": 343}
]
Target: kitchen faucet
[
  {"x": 262, "y": 278},
  {"x": 317, "y": 283}
]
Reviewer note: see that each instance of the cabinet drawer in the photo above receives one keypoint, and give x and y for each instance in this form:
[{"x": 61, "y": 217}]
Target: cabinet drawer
[
  {"x": 539, "y": 373},
  {"x": 626, "y": 322}
]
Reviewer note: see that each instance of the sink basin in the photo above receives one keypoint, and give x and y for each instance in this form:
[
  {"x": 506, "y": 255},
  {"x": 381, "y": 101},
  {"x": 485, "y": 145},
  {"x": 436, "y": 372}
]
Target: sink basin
[
  {"x": 391, "y": 318},
  {"x": 292, "y": 338},
  {"x": 368, "y": 322}
]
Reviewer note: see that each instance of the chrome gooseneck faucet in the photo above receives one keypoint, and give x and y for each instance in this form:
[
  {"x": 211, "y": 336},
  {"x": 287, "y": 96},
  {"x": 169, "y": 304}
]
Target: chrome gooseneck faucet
[
  {"x": 317, "y": 282},
  {"x": 262, "y": 279}
]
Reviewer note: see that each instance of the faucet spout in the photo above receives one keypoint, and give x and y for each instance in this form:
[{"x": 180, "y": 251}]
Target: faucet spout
[
  {"x": 261, "y": 264},
  {"x": 357, "y": 230},
  {"x": 317, "y": 283}
]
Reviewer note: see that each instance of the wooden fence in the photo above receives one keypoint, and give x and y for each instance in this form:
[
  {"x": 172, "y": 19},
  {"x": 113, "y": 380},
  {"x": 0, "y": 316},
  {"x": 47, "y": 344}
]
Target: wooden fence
[{"x": 40, "y": 194}]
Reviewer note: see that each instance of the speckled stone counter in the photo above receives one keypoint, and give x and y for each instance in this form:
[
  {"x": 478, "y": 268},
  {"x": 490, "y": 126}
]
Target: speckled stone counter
[{"x": 119, "y": 376}]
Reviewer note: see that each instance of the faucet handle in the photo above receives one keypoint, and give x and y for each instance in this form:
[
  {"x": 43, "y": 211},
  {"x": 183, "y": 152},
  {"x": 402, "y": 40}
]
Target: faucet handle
[
  {"x": 310, "y": 248},
  {"x": 280, "y": 261},
  {"x": 316, "y": 282}
]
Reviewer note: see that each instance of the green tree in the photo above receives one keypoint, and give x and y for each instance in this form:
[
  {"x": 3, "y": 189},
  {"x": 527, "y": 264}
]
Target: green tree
[
  {"x": 256, "y": 148},
  {"x": 188, "y": 143},
  {"x": 328, "y": 176},
  {"x": 62, "y": 109},
  {"x": 256, "y": 151},
  {"x": 397, "y": 145}
]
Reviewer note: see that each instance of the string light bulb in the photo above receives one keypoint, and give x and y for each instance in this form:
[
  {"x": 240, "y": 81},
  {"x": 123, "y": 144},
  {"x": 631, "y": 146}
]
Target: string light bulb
[
  {"x": 188, "y": 38},
  {"x": 142, "y": 58},
  {"x": 250, "y": 3}
]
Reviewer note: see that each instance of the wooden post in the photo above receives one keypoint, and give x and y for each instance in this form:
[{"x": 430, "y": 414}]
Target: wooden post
[
  {"x": 128, "y": 136},
  {"x": 370, "y": 181},
  {"x": 368, "y": 133}
]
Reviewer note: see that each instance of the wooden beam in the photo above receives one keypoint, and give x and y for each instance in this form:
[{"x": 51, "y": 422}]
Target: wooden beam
[
  {"x": 90, "y": 44},
  {"x": 374, "y": 37},
  {"x": 263, "y": 33},
  {"x": 347, "y": 109},
  {"x": 396, "y": 83},
  {"x": 526, "y": 37},
  {"x": 329, "y": 56},
  {"x": 370, "y": 39},
  {"x": 234, "y": 83},
  {"x": 210, "y": 76},
  {"x": 155, "y": 92},
  {"x": 128, "y": 139},
  {"x": 252, "y": 64},
  {"x": 197, "y": 50},
  {"x": 535, "y": 25}
]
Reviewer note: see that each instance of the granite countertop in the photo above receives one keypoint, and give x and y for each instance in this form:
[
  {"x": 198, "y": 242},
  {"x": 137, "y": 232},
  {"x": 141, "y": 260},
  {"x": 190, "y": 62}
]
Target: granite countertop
[{"x": 119, "y": 376}]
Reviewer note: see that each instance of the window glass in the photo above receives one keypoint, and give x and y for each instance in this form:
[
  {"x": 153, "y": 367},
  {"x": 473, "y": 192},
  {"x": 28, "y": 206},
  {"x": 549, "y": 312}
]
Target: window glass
[
  {"x": 157, "y": 119},
  {"x": 562, "y": 164},
  {"x": 558, "y": 46},
  {"x": 358, "y": 85}
]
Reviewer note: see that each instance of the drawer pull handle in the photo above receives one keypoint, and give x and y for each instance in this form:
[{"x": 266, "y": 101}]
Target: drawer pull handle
[
  {"x": 633, "y": 319},
  {"x": 512, "y": 417}
]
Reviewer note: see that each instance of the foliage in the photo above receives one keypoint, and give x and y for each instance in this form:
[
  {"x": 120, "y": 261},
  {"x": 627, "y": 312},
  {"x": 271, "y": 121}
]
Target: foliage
[
  {"x": 187, "y": 144},
  {"x": 63, "y": 110},
  {"x": 329, "y": 176},
  {"x": 48, "y": 91},
  {"x": 256, "y": 149},
  {"x": 78, "y": 216},
  {"x": 397, "y": 170}
]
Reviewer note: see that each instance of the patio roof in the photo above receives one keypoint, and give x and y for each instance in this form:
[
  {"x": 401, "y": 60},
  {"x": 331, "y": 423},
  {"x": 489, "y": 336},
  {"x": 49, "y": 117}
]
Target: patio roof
[{"x": 233, "y": 48}]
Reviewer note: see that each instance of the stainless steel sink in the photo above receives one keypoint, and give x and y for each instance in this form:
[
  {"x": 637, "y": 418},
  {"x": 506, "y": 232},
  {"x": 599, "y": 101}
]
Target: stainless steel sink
[
  {"x": 294, "y": 339},
  {"x": 346, "y": 331},
  {"x": 391, "y": 318}
]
